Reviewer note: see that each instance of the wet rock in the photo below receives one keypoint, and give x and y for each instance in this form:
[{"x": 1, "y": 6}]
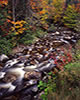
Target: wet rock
[
  {"x": 35, "y": 88},
  {"x": 25, "y": 97},
  {"x": 38, "y": 96},
  {"x": 10, "y": 98},
  {"x": 31, "y": 82},
  {"x": 57, "y": 33},
  {"x": 9, "y": 78},
  {"x": 64, "y": 41},
  {"x": 67, "y": 32},
  {"x": 1, "y": 65},
  {"x": 18, "y": 54},
  {"x": 32, "y": 75},
  {"x": 6, "y": 89},
  {"x": 2, "y": 74},
  {"x": 10, "y": 63},
  {"x": 31, "y": 90},
  {"x": 18, "y": 49},
  {"x": 46, "y": 67},
  {"x": 68, "y": 38},
  {"x": 74, "y": 41},
  {"x": 3, "y": 57}
]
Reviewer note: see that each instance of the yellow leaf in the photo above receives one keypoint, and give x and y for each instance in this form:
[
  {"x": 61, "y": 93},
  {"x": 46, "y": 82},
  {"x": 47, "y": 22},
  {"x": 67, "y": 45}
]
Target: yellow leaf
[{"x": 12, "y": 28}]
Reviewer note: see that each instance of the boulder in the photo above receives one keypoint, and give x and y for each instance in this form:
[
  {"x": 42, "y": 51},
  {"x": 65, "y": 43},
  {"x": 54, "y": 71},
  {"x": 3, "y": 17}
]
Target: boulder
[{"x": 3, "y": 57}]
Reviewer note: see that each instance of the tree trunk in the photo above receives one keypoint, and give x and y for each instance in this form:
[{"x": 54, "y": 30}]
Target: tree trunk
[
  {"x": 13, "y": 12},
  {"x": 28, "y": 9}
]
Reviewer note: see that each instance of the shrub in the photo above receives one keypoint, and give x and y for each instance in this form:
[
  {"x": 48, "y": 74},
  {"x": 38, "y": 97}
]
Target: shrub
[
  {"x": 64, "y": 58},
  {"x": 70, "y": 17},
  {"x": 52, "y": 28},
  {"x": 26, "y": 38},
  {"x": 3, "y": 20},
  {"x": 63, "y": 85},
  {"x": 39, "y": 33},
  {"x": 58, "y": 10},
  {"x": 49, "y": 86},
  {"x": 76, "y": 51},
  {"x": 5, "y": 46},
  {"x": 77, "y": 28}
]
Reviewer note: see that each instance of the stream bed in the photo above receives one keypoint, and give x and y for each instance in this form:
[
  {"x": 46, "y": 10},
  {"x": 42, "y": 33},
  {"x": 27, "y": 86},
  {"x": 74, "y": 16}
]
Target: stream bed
[{"x": 21, "y": 72}]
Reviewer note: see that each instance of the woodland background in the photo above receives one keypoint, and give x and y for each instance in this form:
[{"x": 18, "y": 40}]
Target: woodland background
[{"x": 22, "y": 21}]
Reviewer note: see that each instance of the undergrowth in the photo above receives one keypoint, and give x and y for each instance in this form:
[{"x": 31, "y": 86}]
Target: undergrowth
[{"x": 63, "y": 85}]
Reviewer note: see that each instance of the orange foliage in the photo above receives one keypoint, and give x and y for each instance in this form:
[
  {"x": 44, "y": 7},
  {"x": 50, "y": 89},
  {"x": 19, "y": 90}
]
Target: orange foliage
[
  {"x": 34, "y": 5},
  {"x": 40, "y": 7},
  {"x": 19, "y": 27},
  {"x": 5, "y": 2}
]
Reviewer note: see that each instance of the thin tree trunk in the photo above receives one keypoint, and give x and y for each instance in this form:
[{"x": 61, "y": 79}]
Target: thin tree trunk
[
  {"x": 28, "y": 9},
  {"x": 13, "y": 11}
]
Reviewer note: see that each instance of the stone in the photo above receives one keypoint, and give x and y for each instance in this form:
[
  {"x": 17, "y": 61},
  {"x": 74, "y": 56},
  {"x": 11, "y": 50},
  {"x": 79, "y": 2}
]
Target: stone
[
  {"x": 10, "y": 63},
  {"x": 1, "y": 67},
  {"x": 9, "y": 78},
  {"x": 62, "y": 40},
  {"x": 18, "y": 49},
  {"x": 3, "y": 57},
  {"x": 27, "y": 85},
  {"x": 32, "y": 75},
  {"x": 57, "y": 33},
  {"x": 74, "y": 41},
  {"x": 35, "y": 88},
  {"x": 38, "y": 96},
  {"x": 25, "y": 97},
  {"x": 18, "y": 54},
  {"x": 10, "y": 98},
  {"x": 33, "y": 81},
  {"x": 7, "y": 86},
  {"x": 46, "y": 67},
  {"x": 68, "y": 37},
  {"x": 2, "y": 74}
]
